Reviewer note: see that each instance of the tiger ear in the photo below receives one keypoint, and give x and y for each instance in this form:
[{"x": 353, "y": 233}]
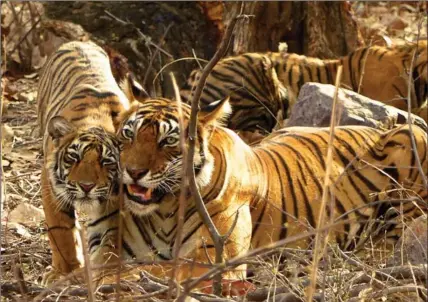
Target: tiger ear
[
  {"x": 132, "y": 89},
  {"x": 215, "y": 113},
  {"x": 58, "y": 127}
]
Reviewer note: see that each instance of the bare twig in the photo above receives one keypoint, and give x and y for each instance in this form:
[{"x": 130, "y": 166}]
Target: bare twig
[
  {"x": 218, "y": 239},
  {"x": 26, "y": 35},
  {"x": 119, "y": 238},
  {"x": 409, "y": 112},
  {"x": 183, "y": 189},
  {"x": 319, "y": 246},
  {"x": 266, "y": 250},
  {"x": 152, "y": 57},
  {"x": 143, "y": 36},
  {"x": 364, "y": 67},
  {"x": 19, "y": 276},
  {"x": 175, "y": 61},
  {"x": 88, "y": 271}
]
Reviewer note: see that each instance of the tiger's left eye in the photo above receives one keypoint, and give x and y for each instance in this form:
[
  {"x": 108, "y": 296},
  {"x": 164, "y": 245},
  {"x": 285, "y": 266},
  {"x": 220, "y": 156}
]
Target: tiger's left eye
[
  {"x": 127, "y": 133},
  {"x": 171, "y": 140}
]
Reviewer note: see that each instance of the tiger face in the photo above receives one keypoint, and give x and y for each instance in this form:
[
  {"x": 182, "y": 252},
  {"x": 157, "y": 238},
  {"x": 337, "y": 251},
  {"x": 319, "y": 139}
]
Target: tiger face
[
  {"x": 152, "y": 159},
  {"x": 83, "y": 167}
]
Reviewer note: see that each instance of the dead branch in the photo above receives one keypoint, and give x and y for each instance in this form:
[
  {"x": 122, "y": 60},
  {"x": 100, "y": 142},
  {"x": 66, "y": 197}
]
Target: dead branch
[
  {"x": 19, "y": 276},
  {"x": 320, "y": 238},
  {"x": 410, "y": 288},
  {"x": 152, "y": 57},
  {"x": 119, "y": 237},
  {"x": 183, "y": 188},
  {"x": 144, "y": 37},
  {"x": 265, "y": 251},
  {"x": 88, "y": 271},
  {"x": 218, "y": 239},
  {"x": 409, "y": 110}
]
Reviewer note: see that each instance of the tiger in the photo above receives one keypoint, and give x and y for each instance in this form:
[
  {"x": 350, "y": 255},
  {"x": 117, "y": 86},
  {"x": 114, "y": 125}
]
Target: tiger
[
  {"x": 261, "y": 85},
  {"x": 79, "y": 103},
  {"x": 275, "y": 186}
]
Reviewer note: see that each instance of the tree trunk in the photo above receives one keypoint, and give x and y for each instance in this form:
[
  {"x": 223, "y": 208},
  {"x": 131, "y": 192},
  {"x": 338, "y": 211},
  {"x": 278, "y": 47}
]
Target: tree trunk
[{"x": 317, "y": 29}]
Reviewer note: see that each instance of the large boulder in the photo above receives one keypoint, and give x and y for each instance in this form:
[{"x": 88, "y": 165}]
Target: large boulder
[
  {"x": 315, "y": 102},
  {"x": 412, "y": 246}
]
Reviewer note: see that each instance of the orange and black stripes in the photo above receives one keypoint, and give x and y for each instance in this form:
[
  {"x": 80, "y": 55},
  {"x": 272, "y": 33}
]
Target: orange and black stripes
[
  {"x": 78, "y": 106},
  {"x": 276, "y": 187},
  {"x": 262, "y": 84}
]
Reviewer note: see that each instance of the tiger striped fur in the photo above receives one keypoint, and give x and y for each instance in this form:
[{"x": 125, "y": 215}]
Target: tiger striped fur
[
  {"x": 276, "y": 186},
  {"x": 78, "y": 107},
  {"x": 262, "y": 84}
]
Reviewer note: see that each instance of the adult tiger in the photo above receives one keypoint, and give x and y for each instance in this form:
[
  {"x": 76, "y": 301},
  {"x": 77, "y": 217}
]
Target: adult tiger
[
  {"x": 78, "y": 107},
  {"x": 277, "y": 185},
  {"x": 262, "y": 84}
]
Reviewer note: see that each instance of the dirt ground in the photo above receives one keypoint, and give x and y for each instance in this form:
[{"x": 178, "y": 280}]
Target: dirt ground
[{"x": 24, "y": 245}]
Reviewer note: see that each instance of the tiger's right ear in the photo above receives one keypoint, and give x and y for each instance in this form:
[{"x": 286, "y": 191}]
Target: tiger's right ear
[
  {"x": 59, "y": 127},
  {"x": 132, "y": 89}
]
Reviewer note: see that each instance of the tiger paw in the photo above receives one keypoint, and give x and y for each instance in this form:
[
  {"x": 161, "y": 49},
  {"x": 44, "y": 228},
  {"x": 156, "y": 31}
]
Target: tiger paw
[
  {"x": 54, "y": 275},
  {"x": 51, "y": 277}
]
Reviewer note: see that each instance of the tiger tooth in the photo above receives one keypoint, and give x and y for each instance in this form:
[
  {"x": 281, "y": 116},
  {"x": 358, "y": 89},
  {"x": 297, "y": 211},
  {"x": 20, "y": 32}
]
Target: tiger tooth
[{"x": 149, "y": 193}]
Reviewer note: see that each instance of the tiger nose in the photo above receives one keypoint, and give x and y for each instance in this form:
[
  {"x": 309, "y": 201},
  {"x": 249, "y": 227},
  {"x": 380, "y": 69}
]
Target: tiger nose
[
  {"x": 137, "y": 173},
  {"x": 86, "y": 186}
]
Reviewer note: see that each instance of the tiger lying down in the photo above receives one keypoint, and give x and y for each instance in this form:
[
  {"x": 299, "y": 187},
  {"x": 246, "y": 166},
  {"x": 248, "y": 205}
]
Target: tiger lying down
[
  {"x": 261, "y": 85},
  {"x": 276, "y": 187},
  {"x": 78, "y": 107}
]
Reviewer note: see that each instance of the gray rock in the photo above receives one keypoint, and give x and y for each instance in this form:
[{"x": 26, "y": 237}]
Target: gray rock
[
  {"x": 315, "y": 102},
  {"x": 412, "y": 246}
]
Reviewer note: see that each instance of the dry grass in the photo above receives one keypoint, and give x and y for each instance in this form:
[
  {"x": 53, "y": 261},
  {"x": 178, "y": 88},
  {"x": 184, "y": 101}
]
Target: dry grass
[{"x": 277, "y": 271}]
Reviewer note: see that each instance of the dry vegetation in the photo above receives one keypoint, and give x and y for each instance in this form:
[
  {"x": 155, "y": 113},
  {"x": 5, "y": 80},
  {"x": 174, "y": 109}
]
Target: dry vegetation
[{"x": 279, "y": 274}]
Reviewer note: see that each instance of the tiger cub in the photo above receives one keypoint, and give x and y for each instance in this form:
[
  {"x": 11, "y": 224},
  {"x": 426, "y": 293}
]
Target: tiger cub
[{"x": 78, "y": 107}]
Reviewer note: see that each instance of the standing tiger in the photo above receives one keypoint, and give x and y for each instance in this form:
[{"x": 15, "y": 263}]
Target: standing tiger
[
  {"x": 78, "y": 107},
  {"x": 262, "y": 84},
  {"x": 276, "y": 186}
]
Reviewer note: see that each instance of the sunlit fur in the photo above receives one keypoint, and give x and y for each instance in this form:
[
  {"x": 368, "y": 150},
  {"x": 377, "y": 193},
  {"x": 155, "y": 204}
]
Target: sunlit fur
[
  {"x": 262, "y": 84},
  {"x": 145, "y": 129},
  {"x": 78, "y": 105},
  {"x": 276, "y": 187},
  {"x": 77, "y": 84}
]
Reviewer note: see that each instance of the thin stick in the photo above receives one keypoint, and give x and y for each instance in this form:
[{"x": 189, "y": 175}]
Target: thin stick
[
  {"x": 320, "y": 242},
  {"x": 144, "y": 37},
  {"x": 175, "y": 61},
  {"x": 88, "y": 271},
  {"x": 183, "y": 190},
  {"x": 261, "y": 251},
  {"x": 364, "y": 67},
  {"x": 152, "y": 58},
  {"x": 218, "y": 240},
  {"x": 119, "y": 238},
  {"x": 409, "y": 113}
]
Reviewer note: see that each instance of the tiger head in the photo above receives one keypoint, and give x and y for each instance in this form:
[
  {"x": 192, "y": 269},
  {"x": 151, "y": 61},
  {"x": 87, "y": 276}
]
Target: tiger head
[
  {"x": 83, "y": 166},
  {"x": 152, "y": 159}
]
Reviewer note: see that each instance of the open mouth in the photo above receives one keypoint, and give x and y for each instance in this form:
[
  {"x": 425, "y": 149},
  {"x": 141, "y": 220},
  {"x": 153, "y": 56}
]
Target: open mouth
[{"x": 143, "y": 195}]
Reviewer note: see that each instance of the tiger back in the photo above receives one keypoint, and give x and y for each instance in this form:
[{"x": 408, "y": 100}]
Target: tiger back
[
  {"x": 78, "y": 106},
  {"x": 276, "y": 187},
  {"x": 260, "y": 85}
]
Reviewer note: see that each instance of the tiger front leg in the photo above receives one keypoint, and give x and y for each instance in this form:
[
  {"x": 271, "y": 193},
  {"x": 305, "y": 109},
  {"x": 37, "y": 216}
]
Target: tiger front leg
[
  {"x": 64, "y": 238},
  {"x": 238, "y": 243}
]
